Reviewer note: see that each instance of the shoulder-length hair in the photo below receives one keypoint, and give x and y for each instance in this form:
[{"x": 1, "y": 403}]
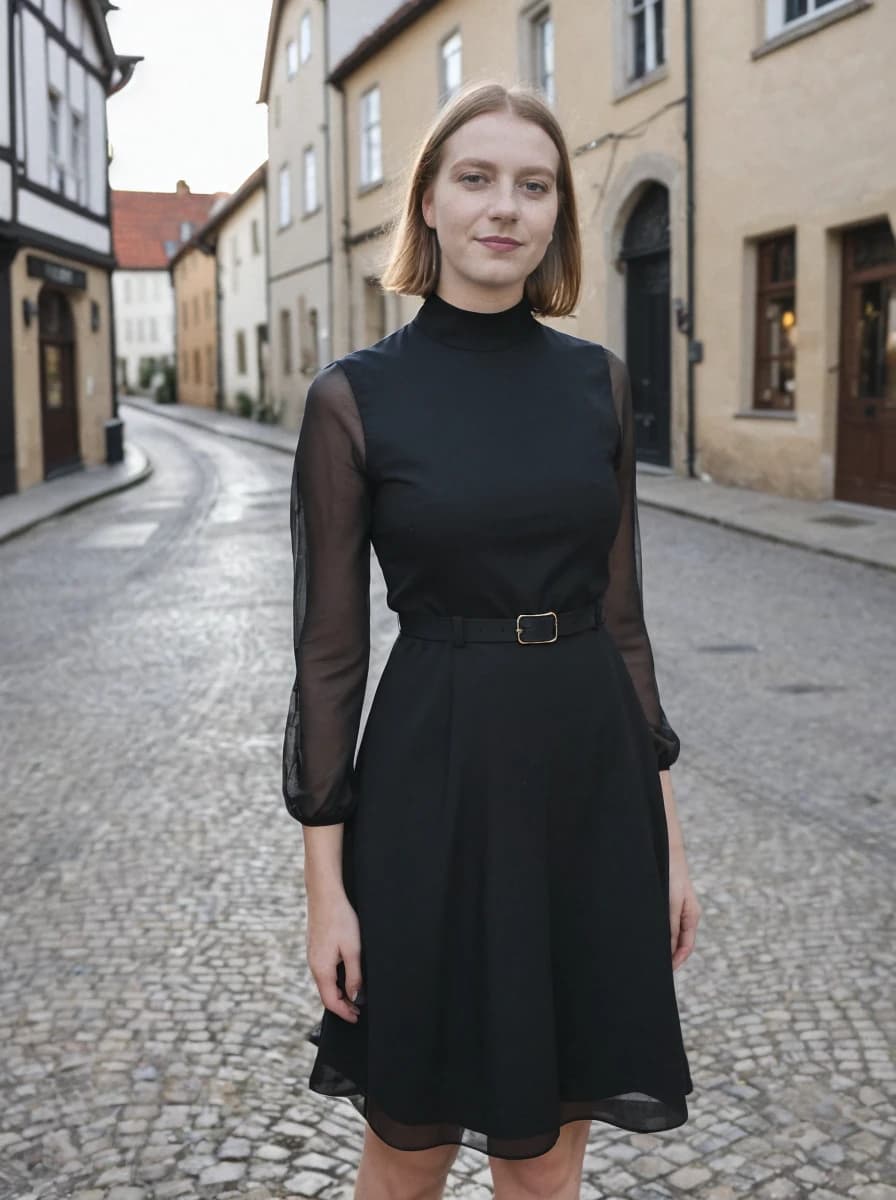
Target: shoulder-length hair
[{"x": 412, "y": 269}]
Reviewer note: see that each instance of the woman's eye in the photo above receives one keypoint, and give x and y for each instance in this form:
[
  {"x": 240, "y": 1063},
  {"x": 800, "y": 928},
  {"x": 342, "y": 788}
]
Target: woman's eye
[
  {"x": 471, "y": 175},
  {"x": 539, "y": 185}
]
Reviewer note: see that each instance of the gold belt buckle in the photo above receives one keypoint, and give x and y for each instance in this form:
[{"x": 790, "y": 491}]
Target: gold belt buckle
[{"x": 536, "y": 641}]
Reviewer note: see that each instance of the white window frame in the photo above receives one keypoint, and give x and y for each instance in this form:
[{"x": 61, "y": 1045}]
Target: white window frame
[
  {"x": 292, "y": 58},
  {"x": 55, "y": 164},
  {"x": 371, "y": 137},
  {"x": 309, "y": 179},
  {"x": 543, "y": 53},
  {"x": 305, "y": 37},
  {"x": 451, "y": 64},
  {"x": 284, "y": 197},
  {"x": 650, "y": 9},
  {"x": 78, "y": 138},
  {"x": 775, "y": 14}
]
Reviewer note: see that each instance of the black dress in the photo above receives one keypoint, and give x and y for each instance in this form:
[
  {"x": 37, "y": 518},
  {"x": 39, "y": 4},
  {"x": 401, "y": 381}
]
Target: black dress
[{"x": 505, "y": 843}]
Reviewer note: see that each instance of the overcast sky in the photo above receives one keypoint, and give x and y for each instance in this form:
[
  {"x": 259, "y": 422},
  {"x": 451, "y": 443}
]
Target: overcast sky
[{"x": 190, "y": 110}]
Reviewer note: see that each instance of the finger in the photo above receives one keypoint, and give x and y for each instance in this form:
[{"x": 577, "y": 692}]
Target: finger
[
  {"x": 353, "y": 980},
  {"x": 331, "y": 999}
]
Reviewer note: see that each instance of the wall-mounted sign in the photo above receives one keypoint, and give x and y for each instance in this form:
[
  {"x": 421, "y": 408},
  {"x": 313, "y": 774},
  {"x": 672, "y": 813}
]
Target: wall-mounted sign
[{"x": 54, "y": 272}]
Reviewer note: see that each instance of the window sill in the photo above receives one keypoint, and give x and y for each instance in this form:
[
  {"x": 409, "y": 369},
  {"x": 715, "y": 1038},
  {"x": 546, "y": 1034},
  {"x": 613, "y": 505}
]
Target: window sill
[
  {"x": 771, "y": 414},
  {"x": 288, "y": 225},
  {"x": 364, "y": 188},
  {"x": 312, "y": 212},
  {"x": 633, "y": 86},
  {"x": 805, "y": 28}
]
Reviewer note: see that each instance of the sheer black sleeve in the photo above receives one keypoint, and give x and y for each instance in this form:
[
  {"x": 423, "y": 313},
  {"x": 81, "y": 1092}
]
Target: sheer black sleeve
[
  {"x": 330, "y": 530},
  {"x": 624, "y": 598}
]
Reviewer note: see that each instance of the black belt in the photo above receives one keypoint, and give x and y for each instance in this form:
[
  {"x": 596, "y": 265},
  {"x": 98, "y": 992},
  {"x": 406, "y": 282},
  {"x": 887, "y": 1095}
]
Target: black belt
[{"x": 529, "y": 629}]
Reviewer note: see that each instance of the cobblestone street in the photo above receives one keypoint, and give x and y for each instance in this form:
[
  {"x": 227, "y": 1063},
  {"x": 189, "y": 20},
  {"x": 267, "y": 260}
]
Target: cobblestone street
[{"x": 154, "y": 995}]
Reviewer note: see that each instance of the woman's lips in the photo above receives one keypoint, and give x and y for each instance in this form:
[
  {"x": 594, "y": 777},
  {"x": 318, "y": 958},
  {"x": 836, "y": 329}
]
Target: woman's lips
[{"x": 498, "y": 244}]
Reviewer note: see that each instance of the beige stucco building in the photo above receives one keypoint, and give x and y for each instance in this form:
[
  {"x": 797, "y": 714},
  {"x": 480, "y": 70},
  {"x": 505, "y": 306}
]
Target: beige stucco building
[
  {"x": 298, "y": 229},
  {"x": 767, "y": 356},
  {"x": 58, "y": 410},
  {"x": 193, "y": 273}
]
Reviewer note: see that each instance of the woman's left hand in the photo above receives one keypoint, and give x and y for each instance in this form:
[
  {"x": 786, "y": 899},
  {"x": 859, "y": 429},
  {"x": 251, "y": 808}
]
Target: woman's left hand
[{"x": 684, "y": 907}]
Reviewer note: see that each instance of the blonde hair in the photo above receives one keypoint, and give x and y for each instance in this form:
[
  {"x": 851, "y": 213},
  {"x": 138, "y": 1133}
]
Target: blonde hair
[{"x": 412, "y": 269}]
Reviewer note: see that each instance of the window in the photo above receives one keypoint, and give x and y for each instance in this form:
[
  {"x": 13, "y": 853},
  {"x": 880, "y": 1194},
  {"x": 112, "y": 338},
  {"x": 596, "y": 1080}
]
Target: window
[
  {"x": 240, "y": 352},
  {"x": 186, "y": 230},
  {"x": 309, "y": 344},
  {"x": 153, "y": 329},
  {"x": 197, "y": 367},
  {"x": 210, "y": 365},
  {"x": 285, "y": 341},
  {"x": 775, "y": 323},
  {"x": 141, "y": 288},
  {"x": 56, "y": 170},
  {"x": 128, "y": 330},
  {"x": 208, "y": 302},
  {"x": 292, "y": 58},
  {"x": 185, "y": 366},
  {"x": 196, "y": 309},
  {"x": 184, "y": 314},
  {"x": 256, "y": 238},
  {"x": 309, "y": 163},
  {"x": 371, "y": 149},
  {"x": 782, "y": 14},
  {"x": 450, "y": 66},
  {"x": 127, "y": 289},
  {"x": 141, "y": 330},
  {"x": 543, "y": 53},
  {"x": 78, "y": 148},
  {"x": 374, "y": 310},
  {"x": 285, "y": 205},
  {"x": 305, "y": 37},
  {"x": 645, "y": 37}
]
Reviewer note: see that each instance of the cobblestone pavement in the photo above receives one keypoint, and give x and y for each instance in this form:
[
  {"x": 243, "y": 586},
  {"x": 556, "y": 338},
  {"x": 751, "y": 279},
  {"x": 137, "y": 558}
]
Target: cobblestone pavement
[{"x": 154, "y": 995}]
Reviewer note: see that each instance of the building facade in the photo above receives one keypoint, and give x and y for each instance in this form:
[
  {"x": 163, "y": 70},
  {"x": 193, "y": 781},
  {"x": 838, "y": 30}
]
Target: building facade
[
  {"x": 737, "y": 224},
  {"x": 193, "y": 275},
  {"x": 147, "y": 229},
  {"x": 300, "y": 284},
  {"x": 239, "y": 234},
  {"x": 56, "y": 259}
]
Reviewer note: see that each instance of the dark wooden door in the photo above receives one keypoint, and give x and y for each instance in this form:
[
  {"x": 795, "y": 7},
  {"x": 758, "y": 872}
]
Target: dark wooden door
[
  {"x": 648, "y": 342},
  {"x": 58, "y": 399},
  {"x": 866, "y": 417}
]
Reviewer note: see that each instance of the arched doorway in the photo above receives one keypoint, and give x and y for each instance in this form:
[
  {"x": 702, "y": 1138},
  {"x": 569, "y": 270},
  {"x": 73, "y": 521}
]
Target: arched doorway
[
  {"x": 645, "y": 251},
  {"x": 58, "y": 399}
]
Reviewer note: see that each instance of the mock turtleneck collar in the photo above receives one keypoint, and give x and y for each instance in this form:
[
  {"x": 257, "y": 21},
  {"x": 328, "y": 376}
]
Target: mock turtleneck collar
[{"x": 470, "y": 330}]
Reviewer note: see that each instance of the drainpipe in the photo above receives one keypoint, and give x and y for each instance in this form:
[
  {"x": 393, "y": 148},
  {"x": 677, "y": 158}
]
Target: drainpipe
[
  {"x": 327, "y": 189},
  {"x": 695, "y": 348}
]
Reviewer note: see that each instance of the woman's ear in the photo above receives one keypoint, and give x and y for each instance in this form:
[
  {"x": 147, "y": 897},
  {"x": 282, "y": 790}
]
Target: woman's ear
[{"x": 426, "y": 206}]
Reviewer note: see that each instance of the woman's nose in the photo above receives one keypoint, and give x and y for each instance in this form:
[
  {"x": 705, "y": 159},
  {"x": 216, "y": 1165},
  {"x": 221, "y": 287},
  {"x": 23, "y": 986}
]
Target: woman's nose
[{"x": 505, "y": 202}]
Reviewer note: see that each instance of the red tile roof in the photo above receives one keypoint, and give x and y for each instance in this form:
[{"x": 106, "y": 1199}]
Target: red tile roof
[{"x": 142, "y": 223}]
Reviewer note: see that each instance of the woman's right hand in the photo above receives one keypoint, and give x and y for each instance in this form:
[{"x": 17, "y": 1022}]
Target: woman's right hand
[{"x": 334, "y": 935}]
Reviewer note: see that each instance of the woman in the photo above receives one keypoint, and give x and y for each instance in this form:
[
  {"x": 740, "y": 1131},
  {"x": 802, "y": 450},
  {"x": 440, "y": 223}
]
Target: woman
[{"x": 497, "y": 887}]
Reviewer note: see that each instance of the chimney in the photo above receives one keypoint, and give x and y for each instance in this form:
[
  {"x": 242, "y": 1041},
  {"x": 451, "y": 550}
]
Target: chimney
[{"x": 183, "y": 188}]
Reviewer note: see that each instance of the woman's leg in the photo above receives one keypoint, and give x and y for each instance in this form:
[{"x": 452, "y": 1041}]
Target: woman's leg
[
  {"x": 385, "y": 1173},
  {"x": 554, "y": 1175}
]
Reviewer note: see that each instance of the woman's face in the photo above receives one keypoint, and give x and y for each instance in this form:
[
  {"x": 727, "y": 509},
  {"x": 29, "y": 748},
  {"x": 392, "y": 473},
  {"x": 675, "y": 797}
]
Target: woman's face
[{"x": 497, "y": 179}]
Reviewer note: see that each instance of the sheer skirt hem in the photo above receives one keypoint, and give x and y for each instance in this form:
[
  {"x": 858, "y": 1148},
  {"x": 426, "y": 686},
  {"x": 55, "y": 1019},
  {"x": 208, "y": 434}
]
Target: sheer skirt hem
[{"x": 636, "y": 1111}]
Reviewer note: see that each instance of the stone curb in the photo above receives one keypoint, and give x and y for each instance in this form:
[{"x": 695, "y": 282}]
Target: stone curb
[{"x": 142, "y": 469}]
